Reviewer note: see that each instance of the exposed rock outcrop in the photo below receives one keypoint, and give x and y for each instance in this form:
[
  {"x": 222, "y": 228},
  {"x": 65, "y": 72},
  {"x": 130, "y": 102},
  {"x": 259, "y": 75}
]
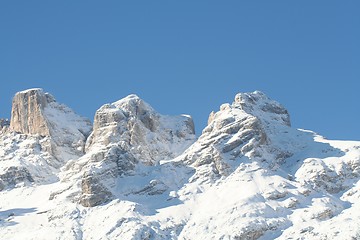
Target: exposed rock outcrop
[
  {"x": 134, "y": 123},
  {"x": 4, "y": 124},
  {"x": 127, "y": 133},
  {"x": 41, "y": 137},
  {"x": 334, "y": 175},
  {"x": 27, "y": 114},
  {"x": 93, "y": 192},
  {"x": 244, "y": 128},
  {"x": 13, "y": 176},
  {"x": 35, "y": 112},
  {"x": 249, "y": 175}
]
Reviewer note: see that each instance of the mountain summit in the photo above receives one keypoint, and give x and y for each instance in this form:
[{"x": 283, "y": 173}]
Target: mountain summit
[
  {"x": 35, "y": 112},
  {"x": 138, "y": 174}
]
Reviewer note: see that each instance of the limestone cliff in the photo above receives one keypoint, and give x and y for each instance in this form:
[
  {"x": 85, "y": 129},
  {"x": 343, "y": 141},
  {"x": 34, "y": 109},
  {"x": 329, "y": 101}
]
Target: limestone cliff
[
  {"x": 127, "y": 133},
  {"x": 134, "y": 123},
  {"x": 35, "y": 112},
  {"x": 43, "y": 135},
  {"x": 27, "y": 114},
  {"x": 244, "y": 128},
  {"x": 143, "y": 175}
]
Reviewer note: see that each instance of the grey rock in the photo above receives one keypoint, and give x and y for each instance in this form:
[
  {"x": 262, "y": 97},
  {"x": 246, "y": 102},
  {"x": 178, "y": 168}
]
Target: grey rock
[
  {"x": 127, "y": 133},
  {"x": 93, "y": 192},
  {"x": 323, "y": 215},
  {"x": 275, "y": 194},
  {"x": 41, "y": 137},
  {"x": 35, "y": 112},
  {"x": 240, "y": 128},
  {"x": 27, "y": 114},
  {"x": 254, "y": 231},
  {"x": 13, "y": 176},
  {"x": 324, "y": 175},
  {"x": 2, "y": 185},
  {"x": 155, "y": 187},
  {"x": 259, "y": 101},
  {"x": 4, "y": 123},
  {"x": 211, "y": 117},
  {"x": 131, "y": 121}
]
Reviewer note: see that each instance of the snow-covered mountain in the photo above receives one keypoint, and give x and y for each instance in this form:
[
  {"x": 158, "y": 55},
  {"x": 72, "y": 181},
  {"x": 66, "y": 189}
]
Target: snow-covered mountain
[{"x": 137, "y": 174}]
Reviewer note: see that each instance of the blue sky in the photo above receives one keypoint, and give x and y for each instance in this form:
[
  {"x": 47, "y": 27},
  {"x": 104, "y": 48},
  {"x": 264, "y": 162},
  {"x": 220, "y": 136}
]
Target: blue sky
[{"x": 188, "y": 56}]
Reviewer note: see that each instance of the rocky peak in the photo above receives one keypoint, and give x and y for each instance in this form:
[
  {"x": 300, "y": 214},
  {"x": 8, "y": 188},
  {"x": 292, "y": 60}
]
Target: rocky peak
[
  {"x": 130, "y": 107},
  {"x": 128, "y": 134},
  {"x": 27, "y": 114},
  {"x": 258, "y": 104},
  {"x": 245, "y": 128},
  {"x": 35, "y": 112},
  {"x": 134, "y": 107},
  {"x": 43, "y": 135},
  {"x": 134, "y": 123},
  {"x": 237, "y": 181}
]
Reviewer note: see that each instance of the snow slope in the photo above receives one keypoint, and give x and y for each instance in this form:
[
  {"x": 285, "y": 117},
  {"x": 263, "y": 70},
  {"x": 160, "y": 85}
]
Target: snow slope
[{"x": 248, "y": 176}]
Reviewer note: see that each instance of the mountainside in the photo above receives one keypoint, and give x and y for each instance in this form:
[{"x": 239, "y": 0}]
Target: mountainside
[{"x": 138, "y": 174}]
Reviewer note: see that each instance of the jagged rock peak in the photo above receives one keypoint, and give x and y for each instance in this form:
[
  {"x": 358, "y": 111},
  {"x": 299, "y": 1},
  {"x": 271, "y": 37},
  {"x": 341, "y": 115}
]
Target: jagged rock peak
[
  {"x": 135, "y": 122},
  {"x": 27, "y": 114},
  {"x": 261, "y": 106},
  {"x": 247, "y": 127},
  {"x": 35, "y": 112},
  {"x": 128, "y": 134},
  {"x": 131, "y": 100},
  {"x": 256, "y": 105},
  {"x": 131, "y": 107}
]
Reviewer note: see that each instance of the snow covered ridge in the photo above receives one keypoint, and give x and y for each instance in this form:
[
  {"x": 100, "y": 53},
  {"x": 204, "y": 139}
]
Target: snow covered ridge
[{"x": 137, "y": 174}]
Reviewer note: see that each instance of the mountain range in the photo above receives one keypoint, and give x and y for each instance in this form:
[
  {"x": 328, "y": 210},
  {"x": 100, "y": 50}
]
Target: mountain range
[{"x": 134, "y": 173}]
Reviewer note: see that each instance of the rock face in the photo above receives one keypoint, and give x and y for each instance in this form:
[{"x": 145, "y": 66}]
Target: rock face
[
  {"x": 40, "y": 138},
  {"x": 27, "y": 114},
  {"x": 128, "y": 133},
  {"x": 244, "y": 128},
  {"x": 134, "y": 123},
  {"x": 143, "y": 175},
  {"x": 93, "y": 192},
  {"x": 35, "y": 112},
  {"x": 333, "y": 176},
  {"x": 13, "y": 176},
  {"x": 4, "y": 124}
]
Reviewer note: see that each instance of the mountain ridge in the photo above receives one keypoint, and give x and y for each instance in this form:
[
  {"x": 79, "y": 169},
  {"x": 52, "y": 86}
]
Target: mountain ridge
[{"x": 137, "y": 174}]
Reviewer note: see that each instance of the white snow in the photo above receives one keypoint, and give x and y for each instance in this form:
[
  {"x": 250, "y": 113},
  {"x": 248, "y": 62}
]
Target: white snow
[{"x": 314, "y": 193}]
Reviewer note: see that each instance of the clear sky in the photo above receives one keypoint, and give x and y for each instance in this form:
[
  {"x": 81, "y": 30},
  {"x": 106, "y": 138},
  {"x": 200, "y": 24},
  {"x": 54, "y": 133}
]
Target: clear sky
[{"x": 188, "y": 56}]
